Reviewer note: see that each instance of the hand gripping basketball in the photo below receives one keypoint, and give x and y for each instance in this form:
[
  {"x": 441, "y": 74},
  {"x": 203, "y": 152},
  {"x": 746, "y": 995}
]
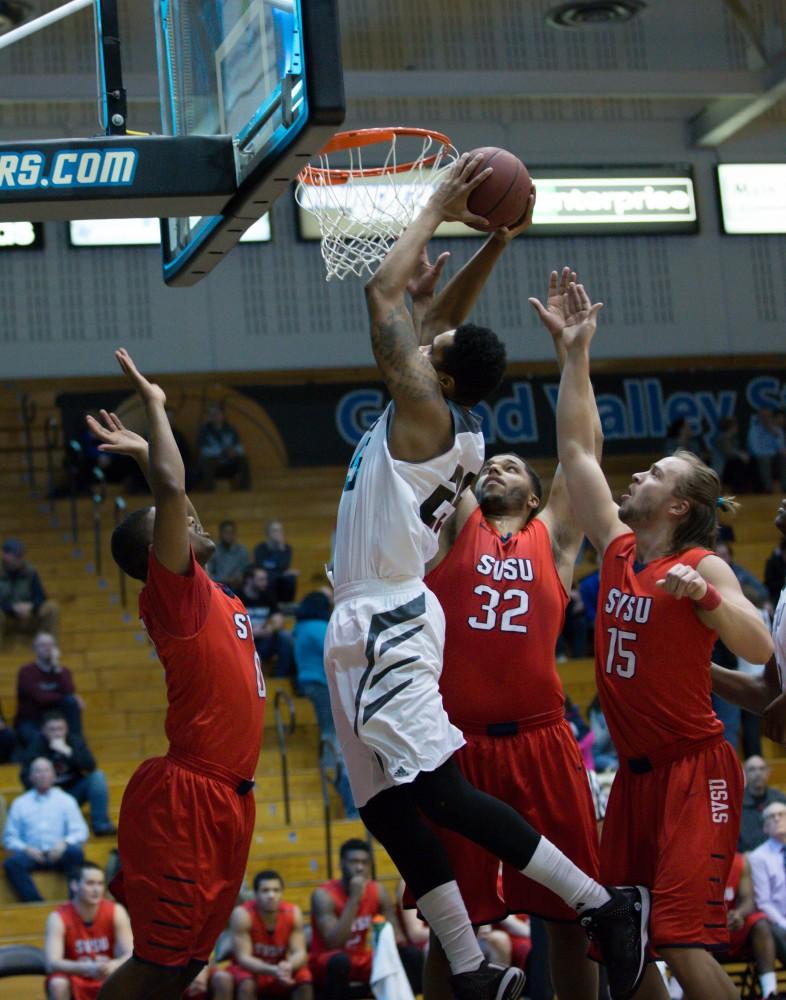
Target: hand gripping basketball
[{"x": 450, "y": 198}]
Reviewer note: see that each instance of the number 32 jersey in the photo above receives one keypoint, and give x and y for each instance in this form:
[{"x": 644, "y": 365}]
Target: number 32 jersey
[
  {"x": 652, "y": 655},
  {"x": 391, "y": 512},
  {"x": 504, "y": 606}
]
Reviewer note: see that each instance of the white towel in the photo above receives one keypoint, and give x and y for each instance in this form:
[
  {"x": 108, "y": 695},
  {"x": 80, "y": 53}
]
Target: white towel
[{"x": 388, "y": 979}]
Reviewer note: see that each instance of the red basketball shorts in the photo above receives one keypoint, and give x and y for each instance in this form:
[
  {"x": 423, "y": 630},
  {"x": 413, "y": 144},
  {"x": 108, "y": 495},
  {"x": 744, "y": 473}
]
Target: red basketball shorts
[
  {"x": 739, "y": 941},
  {"x": 360, "y": 968},
  {"x": 674, "y": 829},
  {"x": 81, "y": 988},
  {"x": 269, "y": 986},
  {"x": 540, "y": 773},
  {"x": 183, "y": 839}
]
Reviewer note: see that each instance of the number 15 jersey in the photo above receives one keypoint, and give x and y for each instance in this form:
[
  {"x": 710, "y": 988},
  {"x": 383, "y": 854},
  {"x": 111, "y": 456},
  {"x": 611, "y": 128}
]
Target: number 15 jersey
[
  {"x": 652, "y": 654},
  {"x": 391, "y": 511}
]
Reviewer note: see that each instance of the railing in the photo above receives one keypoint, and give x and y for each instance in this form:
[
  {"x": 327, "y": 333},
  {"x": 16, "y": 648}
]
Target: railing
[
  {"x": 28, "y": 411},
  {"x": 73, "y": 461},
  {"x": 282, "y": 731},
  {"x": 327, "y": 746},
  {"x": 51, "y": 441}
]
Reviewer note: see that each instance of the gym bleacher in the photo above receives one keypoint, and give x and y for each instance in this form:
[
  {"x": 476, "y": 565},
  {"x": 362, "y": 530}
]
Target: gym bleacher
[{"x": 118, "y": 675}]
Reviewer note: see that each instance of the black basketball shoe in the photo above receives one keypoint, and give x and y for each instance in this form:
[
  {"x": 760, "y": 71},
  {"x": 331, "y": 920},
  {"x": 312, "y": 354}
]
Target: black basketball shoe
[
  {"x": 619, "y": 929},
  {"x": 489, "y": 982}
]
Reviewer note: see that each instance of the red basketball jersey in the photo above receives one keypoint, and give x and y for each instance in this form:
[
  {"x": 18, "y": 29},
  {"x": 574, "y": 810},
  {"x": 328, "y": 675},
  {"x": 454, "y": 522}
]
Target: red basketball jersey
[
  {"x": 271, "y": 946},
  {"x": 359, "y": 941},
  {"x": 504, "y": 605},
  {"x": 215, "y": 689},
  {"x": 93, "y": 940},
  {"x": 652, "y": 655}
]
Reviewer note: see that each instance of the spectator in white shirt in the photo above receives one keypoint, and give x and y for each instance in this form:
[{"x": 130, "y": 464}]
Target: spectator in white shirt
[
  {"x": 768, "y": 869},
  {"x": 44, "y": 830}
]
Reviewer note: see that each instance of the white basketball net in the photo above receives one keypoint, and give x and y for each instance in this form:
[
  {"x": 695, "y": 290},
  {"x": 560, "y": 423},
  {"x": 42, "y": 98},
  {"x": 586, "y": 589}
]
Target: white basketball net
[{"x": 360, "y": 219}]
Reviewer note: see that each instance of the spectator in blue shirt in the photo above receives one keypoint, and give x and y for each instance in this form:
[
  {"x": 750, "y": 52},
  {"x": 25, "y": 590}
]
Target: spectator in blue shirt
[
  {"x": 312, "y": 617},
  {"x": 44, "y": 830},
  {"x": 767, "y": 445},
  {"x": 747, "y": 579}
]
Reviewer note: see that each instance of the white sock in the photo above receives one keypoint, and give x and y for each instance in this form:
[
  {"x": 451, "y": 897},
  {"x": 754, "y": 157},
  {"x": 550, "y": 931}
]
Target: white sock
[
  {"x": 769, "y": 983},
  {"x": 445, "y": 913},
  {"x": 551, "y": 868}
]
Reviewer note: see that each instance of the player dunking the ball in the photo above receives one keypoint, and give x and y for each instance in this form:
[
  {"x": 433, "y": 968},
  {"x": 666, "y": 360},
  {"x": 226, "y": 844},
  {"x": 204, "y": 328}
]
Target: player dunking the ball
[
  {"x": 186, "y": 819},
  {"x": 674, "y": 809},
  {"x": 503, "y": 573},
  {"x": 383, "y": 650}
]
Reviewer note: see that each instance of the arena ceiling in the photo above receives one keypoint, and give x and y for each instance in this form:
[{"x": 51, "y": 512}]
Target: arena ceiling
[{"x": 718, "y": 66}]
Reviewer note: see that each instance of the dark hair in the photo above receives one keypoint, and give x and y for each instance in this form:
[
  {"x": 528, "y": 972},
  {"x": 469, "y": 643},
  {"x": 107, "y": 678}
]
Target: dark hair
[
  {"x": 315, "y": 605},
  {"x": 537, "y": 487},
  {"x": 476, "y": 360},
  {"x": 266, "y": 876},
  {"x": 675, "y": 427},
  {"x": 225, "y": 524},
  {"x": 701, "y": 488},
  {"x": 51, "y": 715},
  {"x": 75, "y": 874},
  {"x": 130, "y": 543},
  {"x": 353, "y": 844}
]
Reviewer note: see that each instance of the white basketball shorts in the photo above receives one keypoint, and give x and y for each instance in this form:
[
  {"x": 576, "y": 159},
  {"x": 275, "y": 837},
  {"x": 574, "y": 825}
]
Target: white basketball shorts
[{"x": 383, "y": 658}]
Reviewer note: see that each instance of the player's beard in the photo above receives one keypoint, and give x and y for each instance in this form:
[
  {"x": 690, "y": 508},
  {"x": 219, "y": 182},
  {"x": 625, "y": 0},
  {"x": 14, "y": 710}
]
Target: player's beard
[
  {"x": 635, "y": 514},
  {"x": 513, "y": 502}
]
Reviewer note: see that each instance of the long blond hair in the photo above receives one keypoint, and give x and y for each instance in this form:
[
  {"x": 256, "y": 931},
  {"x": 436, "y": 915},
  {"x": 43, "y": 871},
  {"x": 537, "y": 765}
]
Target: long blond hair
[{"x": 701, "y": 488}]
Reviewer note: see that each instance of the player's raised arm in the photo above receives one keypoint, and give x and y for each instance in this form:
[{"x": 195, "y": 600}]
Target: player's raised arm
[
  {"x": 167, "y": 475},
  {"x": 449, "y": 308},
  {"x": 589, "y": 492},
  {"x": 558, "y": 516},
  {"x": 422, "y": 423},
  {"x": 755, "y": 694}
]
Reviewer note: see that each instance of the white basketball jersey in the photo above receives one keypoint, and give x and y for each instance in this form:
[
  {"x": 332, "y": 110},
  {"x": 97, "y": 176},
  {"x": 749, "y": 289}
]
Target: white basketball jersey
[
  {"x": 779, "y": 638},
  {"x": 391, "y": 512}
]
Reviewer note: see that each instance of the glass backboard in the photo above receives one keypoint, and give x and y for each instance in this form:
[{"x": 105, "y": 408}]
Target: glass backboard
[{"x": 265, "y": 72}]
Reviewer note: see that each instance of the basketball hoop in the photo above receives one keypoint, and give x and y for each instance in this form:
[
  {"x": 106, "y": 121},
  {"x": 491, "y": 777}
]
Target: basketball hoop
[{"x": 362, "y": 210}]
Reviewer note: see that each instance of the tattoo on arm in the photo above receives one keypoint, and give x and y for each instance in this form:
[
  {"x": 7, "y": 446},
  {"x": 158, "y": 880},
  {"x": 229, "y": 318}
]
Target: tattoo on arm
[{"x": 407, "y": 373}]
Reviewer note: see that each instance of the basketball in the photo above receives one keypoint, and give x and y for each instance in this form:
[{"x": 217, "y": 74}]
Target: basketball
[{"x": 502, "y": 197}]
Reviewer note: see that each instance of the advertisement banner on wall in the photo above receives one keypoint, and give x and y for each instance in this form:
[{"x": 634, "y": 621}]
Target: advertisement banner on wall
[{"x": 320, "y": 423}]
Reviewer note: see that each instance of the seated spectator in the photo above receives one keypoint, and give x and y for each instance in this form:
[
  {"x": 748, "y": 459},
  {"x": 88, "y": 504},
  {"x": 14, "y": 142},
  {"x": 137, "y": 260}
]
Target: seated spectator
[
  {"x": 733, "y": 465},
  {"x": 751, "y": 724},
  {"x": 749, "y": 933},
  {"x": 275, "y": 555},
  {"x": 42, "y": 686},
  {"x": 311, "y": 623},
  {"x": 75, "y": 769},
  {"x": 267, "y": 623},
  {"x": 756, "y": 796},
  {"x": 221, "y": 453},
  {"x": 7, "y": 740},
  {"x": 769, "y": 875},
  {"x": 680, "y": 434},
  {"x": 767, "y": 445},
  {"x": 23, "y": 602},
  {"x": 746, "y": 578},
  {"x": 44, "y": 830},
  {"x": 342, "y": 912},
  {"x": 603, "y": 750},
  {"x": 269, "y": 957},
  {"x": 230, "y": 559},
  {"x": 86, "y": 939},
  {"x": 775, "y": 572}
]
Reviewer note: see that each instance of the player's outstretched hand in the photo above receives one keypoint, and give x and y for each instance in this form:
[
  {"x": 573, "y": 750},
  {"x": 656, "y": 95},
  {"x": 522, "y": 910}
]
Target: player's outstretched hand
[
  {"x": 775, "y": 720},
  {"x": 423, "y": 282},
  {"x": 114, "y": 436},
  {"x": 149, "y": 392},
  {"x": 508, "y": 233},
  {"x": 581, "y": 317},
  {"x": 683, "y": 581},
  {"x": 555, "y": 312},
  {"x": 450, "y": 197}
]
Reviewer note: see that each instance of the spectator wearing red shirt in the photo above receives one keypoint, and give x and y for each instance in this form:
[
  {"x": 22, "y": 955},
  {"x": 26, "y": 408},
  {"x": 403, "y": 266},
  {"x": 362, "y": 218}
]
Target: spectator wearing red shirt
[{"x": 43, "y": 685}]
